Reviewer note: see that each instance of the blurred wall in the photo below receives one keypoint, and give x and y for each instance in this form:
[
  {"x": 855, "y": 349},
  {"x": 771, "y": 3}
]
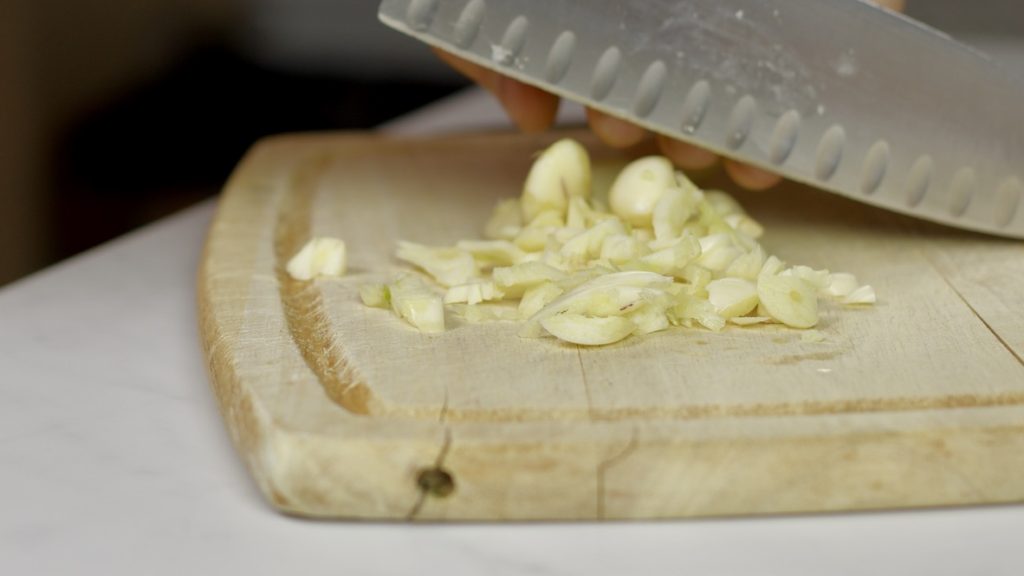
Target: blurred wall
[{"x": 58, "y": 60}]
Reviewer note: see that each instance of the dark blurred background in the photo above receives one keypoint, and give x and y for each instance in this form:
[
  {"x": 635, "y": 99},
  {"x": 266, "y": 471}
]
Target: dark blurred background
[{"x": 116, "y": 112}]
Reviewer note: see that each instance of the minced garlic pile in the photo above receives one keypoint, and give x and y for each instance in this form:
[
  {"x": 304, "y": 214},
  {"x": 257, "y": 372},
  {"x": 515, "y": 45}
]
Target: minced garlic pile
[{"x": 662, "y": 253}]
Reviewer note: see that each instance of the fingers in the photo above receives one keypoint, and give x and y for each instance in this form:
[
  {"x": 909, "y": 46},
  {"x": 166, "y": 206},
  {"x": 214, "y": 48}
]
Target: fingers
[
  {"x": 686, "y": 156},
  {"x": 896, "y": 5},
  {"x": 487, "y": 79},
  {"x": 614, "y": 131},
  {"x": 532, "y": 109},
  {"x": 750, "y": 177}
]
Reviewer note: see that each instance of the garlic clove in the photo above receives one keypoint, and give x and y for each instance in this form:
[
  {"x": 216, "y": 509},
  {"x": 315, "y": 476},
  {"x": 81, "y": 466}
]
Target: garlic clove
[
  {"x": 670, "y": 214},
  {"x": 638, "y": 188},
  {"x": 537, "y": 297},
  {"x": 840, "y": 285},
  {"x": 559, "y": 173},
  {"x": 375, "y": 295},
  {"x": 448, "y": 266},
  {"x": 732, "y": 297},
  {"x": 418, "y": 304},
  {"x": 788, "y": 299},
  {"x": 588, "y": 330},
  {"x": 862, "y": 295},
  {"x": 506, "y": 220},
  {"x": 649, "y": 319},
  {"x": 319, "y": 257},
  {"x": 514, "y": 280},
  {"x": 473, "y": 293},
  {"x": 491, "y": 253}
]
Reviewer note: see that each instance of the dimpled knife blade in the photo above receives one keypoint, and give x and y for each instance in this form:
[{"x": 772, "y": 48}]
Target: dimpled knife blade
[{"x": 837, "y": 94}]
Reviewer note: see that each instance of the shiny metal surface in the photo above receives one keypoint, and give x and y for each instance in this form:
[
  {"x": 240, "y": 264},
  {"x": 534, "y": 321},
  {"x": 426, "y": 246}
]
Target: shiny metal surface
[{"x": 838, "y": 94}]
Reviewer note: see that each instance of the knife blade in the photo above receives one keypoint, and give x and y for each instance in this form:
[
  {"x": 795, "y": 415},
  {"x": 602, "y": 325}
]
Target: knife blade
[{"x": 838, "y": 94}]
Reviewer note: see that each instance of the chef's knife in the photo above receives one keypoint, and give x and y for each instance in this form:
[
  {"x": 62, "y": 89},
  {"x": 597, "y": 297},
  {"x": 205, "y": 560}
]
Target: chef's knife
[{"x": 838, "y": 94}]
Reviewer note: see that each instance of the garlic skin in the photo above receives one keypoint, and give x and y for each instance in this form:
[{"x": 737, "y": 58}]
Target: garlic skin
[
  {"x": 320, "y": 257},
  {"x": 639, "y": 187},
  {"x": 559, "y": 173}
]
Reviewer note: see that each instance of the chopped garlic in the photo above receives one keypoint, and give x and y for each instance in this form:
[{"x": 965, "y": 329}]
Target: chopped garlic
[
  {"x": 537, "y": 297},
  {"x": 621, "y": 248},
  {"x": 560, "y": 172},
  {"x": 862, "y": 295},
  {"x": 534, "y": 237},
  {"x": 745, "y": 225},
  {"x": 417, "y": 303},
  {"x": 665, "y": 254},
  {"x": 588, "y": 330},
  {"x": 449, "y": 266},
  {"x": 375, "y": 295},
  {"x": 788, "y": 299},
  {"x": 515, "y": 280},
  {"x": 639, "y": 187},
  {"x": 610, "y": 294},
  {"x": 748, "y": 265},
  {"x": 697, "y": 310},
  {"x": 719, "y": 259},
  {"x": 697, "y": 276},
  {"x": 732, "y": 297},
  {"x": 491, "y": 253},
  {"x": 319, "y": 257},
  {"x": 650, "y": 319},
  {"x": 772, "y": 266},
  {"x": 479, "y": 313},
  {"x": 670, "y": 214},
  {"x": 473, "y": 293},
  {"x": 723, "y": 203},
  {"x": 587, "y": 245},
  {"x": 673, "y": 259},
  {"x": 506, "y": 221},
  {"x": 840, "y": 285},
  {"x": 819, "y": 279}
]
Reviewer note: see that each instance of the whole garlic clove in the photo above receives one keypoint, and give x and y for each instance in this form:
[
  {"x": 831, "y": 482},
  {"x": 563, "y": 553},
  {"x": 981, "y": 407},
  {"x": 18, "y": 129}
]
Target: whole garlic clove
[{"x": 639, "y": 187}]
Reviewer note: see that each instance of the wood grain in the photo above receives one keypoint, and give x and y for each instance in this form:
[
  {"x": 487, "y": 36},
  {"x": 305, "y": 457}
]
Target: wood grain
[{"x": 344, "y": 411}]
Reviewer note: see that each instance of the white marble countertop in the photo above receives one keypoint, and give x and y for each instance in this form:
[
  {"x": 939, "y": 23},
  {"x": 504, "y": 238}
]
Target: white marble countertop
[{"x": 115, "y": 461}]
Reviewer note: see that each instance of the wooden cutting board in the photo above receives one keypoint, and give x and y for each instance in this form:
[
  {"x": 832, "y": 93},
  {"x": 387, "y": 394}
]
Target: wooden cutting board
[{"x": 344, "y": 411}]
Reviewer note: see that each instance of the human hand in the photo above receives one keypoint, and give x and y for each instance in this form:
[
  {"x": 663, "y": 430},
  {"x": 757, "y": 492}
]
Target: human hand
[{"x": 533, "y": 110}]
